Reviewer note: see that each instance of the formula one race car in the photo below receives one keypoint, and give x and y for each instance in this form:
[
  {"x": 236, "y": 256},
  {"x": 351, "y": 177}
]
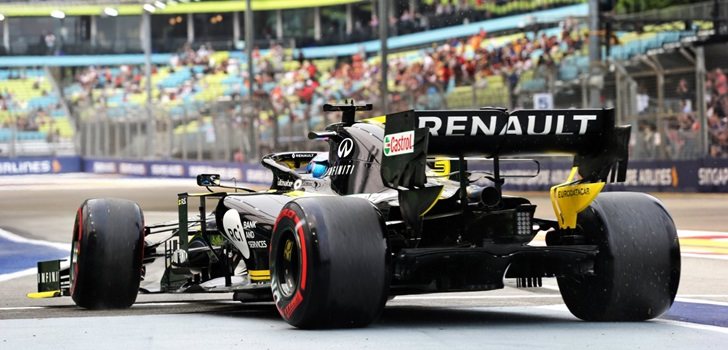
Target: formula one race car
[{"x": 393, "y": 209}]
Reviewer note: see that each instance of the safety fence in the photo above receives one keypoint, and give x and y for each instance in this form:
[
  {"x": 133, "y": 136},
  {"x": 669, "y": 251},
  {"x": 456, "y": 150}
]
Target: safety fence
[
  {"x": 213, "y": 131},
  {"x": 705, "y": 175}
]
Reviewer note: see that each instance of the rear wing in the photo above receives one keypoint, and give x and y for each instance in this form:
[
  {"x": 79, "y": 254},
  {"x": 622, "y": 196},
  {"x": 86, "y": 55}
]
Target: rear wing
[{"x": 599, "y": 147}]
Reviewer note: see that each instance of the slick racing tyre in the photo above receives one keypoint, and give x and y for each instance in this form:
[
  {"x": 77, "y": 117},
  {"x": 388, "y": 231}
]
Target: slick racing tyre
[
  {"x": 106, "y": 256},
  {"x": 637, "y": 269},
  {"x": 328, "y": 263}
]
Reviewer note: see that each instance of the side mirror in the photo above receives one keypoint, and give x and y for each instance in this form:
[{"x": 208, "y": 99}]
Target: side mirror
[{"x": 208, "y": 180}]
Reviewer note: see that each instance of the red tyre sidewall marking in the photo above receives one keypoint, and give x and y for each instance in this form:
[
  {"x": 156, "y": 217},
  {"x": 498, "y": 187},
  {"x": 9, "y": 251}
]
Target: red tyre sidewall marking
[
  {"x": 304, "y": 260},
  {"x": 288, "y": 309},
  {"x": 77, "y": 247},
  {"x": 142, "y": 239}
]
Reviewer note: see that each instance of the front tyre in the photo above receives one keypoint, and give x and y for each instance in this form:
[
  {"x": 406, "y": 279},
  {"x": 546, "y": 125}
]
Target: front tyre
[
  {"x": 328, "y": 263},
  {"x": 637, "y": 269},
  {"x": 106, "y": 256}
]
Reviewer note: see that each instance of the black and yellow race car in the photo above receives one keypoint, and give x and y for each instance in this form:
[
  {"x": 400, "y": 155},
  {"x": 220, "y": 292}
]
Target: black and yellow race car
[{"x": 393, "y": 208}]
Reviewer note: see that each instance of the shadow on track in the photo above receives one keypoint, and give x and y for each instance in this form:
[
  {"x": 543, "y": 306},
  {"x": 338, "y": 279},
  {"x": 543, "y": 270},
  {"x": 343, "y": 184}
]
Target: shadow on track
[
  {"x": 408, "y": 316},
  {"x": 417, "y": 316}
]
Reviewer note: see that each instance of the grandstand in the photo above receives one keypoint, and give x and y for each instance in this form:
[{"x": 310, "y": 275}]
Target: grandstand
[
  {"x": 28, "y": 100},
  {"x": 458, "y": 54}
]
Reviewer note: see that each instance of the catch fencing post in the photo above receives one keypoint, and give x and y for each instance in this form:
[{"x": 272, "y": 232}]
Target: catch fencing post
[
  {"x": 139, "y": 134},
  {"x": 107, "y": 135},
  {"x": 384, "y": 67},
  {"x": 474, "y": 95},
  {"x": 14, "y": 134},
  {"x": 146, "y": 39},
  {"x": 127, "y": 136},
  {"x": 97, "y": 136},
  {"x": 249, "y": 41},
  {"x": 117, "y": 139},
  {"x": 700, "y": 100},
  {"x": 183, "y": 136},
  {"x": 170, "y": 135},
  {"x": 199, "y": 135}
]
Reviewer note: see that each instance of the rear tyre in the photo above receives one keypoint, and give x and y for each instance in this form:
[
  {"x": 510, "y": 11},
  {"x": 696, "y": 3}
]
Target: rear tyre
[
  {"x": 637, "y": 269},
  {"x": 328, "y": 263},
  {"x": 106, "y": 256}
]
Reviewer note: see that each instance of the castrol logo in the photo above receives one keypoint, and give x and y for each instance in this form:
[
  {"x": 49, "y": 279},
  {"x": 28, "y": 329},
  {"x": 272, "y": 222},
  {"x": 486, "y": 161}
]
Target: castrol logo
[{"x": 399, "y": 143}]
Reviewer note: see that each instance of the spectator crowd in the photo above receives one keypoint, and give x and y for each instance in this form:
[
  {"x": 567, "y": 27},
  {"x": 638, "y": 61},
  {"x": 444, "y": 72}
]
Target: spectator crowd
[
  {"x": 16, "y": 112},
  {"x": 717, "y": 112},
  {"x": 289, "y": 88},
  {"x": 418, "y": 79},
  {"x": 680, "y": 138}
]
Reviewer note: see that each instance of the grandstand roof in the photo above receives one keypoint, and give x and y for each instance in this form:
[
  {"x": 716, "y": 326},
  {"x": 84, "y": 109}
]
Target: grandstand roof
[
  {"x": 394, "y": 43},
  {"x": 127, "y": 7}
]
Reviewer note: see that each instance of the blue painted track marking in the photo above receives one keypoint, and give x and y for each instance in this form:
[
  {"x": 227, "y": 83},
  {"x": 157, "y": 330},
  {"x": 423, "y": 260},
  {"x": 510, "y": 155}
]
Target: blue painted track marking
[
  {"x": 19, "y": 255},
  {"x": 701, "y": 313}
]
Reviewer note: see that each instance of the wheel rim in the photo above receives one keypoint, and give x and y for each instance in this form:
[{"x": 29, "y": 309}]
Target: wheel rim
[{"x": 289, "y": 263}]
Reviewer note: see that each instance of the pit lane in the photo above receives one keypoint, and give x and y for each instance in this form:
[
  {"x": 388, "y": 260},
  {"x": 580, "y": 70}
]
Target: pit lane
[{"x": 42, "y": 208}]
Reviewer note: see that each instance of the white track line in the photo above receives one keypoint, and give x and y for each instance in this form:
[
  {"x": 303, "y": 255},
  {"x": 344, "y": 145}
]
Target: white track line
[
  {"x": 693, "y": 233},
  {"x": 686, "y": 299},
  {"x": 18, "y": 274},
  {"x": 140, "y": 305},
  {"x": 705, "y": 256},
  {"x": 471, "y": 297},
  {"x": 19, "y": 239},
  {"x": 22, "y": 308}
]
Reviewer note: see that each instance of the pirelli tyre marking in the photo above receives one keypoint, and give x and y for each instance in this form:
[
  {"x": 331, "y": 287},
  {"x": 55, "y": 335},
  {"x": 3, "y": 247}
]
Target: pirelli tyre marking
[{"x": 287, "y": 309}]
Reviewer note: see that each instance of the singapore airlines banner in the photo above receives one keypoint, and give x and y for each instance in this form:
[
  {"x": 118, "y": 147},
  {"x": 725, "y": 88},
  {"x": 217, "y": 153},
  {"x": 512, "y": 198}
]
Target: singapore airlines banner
[{"x": 39, "y": 165}]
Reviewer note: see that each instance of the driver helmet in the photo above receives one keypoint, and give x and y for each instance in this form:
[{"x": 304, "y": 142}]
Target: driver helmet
[{"x": 318, "y": 166}]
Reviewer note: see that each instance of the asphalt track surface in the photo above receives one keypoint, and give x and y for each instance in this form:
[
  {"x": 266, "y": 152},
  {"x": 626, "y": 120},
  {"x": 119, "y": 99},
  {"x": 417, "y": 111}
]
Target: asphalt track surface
[{"x": 41, "y": 209}]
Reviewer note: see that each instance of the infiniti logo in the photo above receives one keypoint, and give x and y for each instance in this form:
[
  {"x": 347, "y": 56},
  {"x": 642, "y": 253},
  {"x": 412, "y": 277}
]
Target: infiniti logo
[{"x": 345, "y": 148}]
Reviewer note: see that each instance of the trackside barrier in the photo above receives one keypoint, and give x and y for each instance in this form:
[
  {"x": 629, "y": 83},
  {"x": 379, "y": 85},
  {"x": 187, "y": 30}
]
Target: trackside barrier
[
  {"x": 707, "y": 175},
  {"x": 39, "y": 165},
  {"x": 249, "y": 173}
]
